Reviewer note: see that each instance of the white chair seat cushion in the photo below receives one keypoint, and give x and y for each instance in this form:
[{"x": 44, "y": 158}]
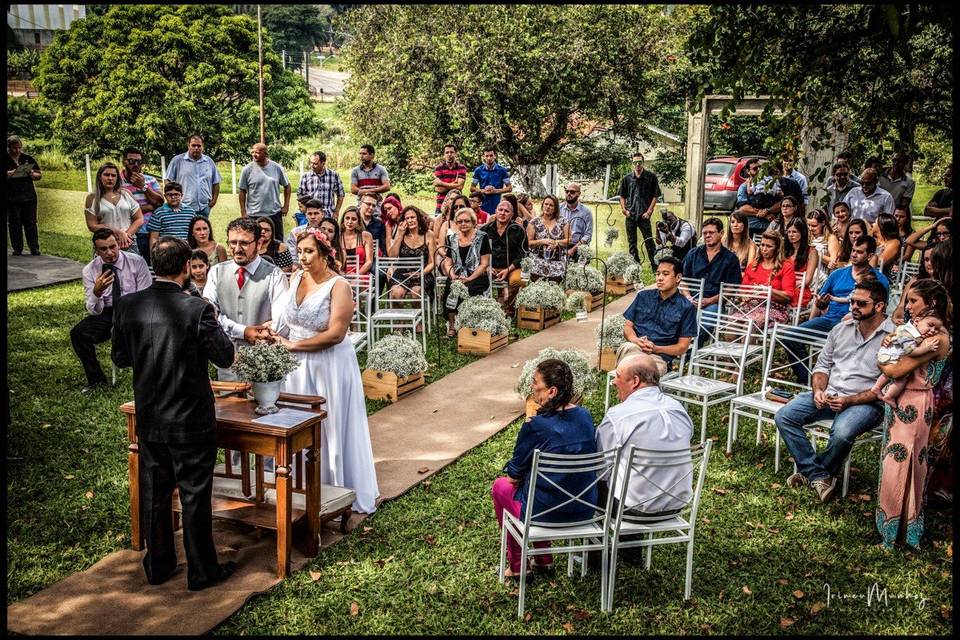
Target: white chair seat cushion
[
  {"x": 673, "y": 522},
  {"x": 537, "y": 533},
  {"x": 729, "y": 349},
  {"x": 758, "y": 401},
  {"x": 397, "y": 314},
  {"x": 697, "y": 384}
]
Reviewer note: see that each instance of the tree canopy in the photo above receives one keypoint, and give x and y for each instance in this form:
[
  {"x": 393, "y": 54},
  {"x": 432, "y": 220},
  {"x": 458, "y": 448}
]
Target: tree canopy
[
  {"x": 535, "y": 81},
  {"x": 118, "y": 79}
]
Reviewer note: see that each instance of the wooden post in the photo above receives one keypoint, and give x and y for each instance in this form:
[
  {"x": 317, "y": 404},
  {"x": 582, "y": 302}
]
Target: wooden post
[
  {"x": 163, "y": 167},
  {"x": 233, "y": 175},
  {"x": 89, "y": 177},
  {"x": 606, "y": 184},
  {"x": 263, "y": 121}
]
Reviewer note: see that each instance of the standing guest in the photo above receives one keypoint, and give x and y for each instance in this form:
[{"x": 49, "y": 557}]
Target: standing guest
[
  {"x": 467, "y": 260},
  {"x": 790, "y": 171},
  {"x": 941, "y": 204},
  {"x": 145, "y": 190},
  {"x": 770, "y": 269},
  {"x": 897, "y": 182},
  {"x": 368, "y": 177},
  {"x": 840, "y": 185},
  {"x": 841, "y": 391},
  {"x": 840, "y": 214},
  {"x": 199, "y": 268},
  {"x": 660, "y": 321},
  {"x": 201, "y": 237},
  {"x": 369, "y": 203},
  {"x": 311, "y": 320},
  {"x": 111, "y": 274},
  {"x": 313, "y": 214},
  {"x": 166, "y": 335},
  {"x": 887, "y": 235},
  {"x": 751, "y": 205},
  {"x": 738, "y": 239},
  {"x": 868, "y": 200},
  {"x": 172, "y": 219},
  {"x": 833, "y": 299},
  {"x": 321, "y": 184},
  {"x": 905, "y": 461},
  {"x": 579, "y": 217},
  {"x": 824, "y": 242},
  {"x": 259, "y": 188},
  {"x": 855, "y": 229},
  {"x": 390, "y": 217},
  {"x": 244, "y": 288},
  {"x": 356, "y": 241},
  {"x": 199, "y": 176},
  {"x": 490, "y": 179},
  {"x": 506, "y": 250},
  {"x": 331, "y": 229},
  {"x": 548, "y": 235},
  {"x": 110, "y": 207},
  {"x": 22, "y": 171},
  {"x": 412, "y": 240},
  {"x": 270, "y": 248},
  {"x": 639, "y": 191},
  {"x": 562, "y": 427},
  {"x": 448, "y": 175},
  {"x": 713, "y": 263},
  {"x": 806, "y": 259}
]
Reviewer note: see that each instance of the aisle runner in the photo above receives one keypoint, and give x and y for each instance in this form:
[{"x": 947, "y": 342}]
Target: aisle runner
[{"x": 429, "y": 429}]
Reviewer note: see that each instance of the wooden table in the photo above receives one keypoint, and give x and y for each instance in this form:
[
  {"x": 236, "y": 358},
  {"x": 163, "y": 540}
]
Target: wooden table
[{"x": 237, "y": 431}]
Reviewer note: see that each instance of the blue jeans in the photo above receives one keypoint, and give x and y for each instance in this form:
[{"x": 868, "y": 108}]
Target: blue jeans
[
  {"x": 800, "y": 352},
  {"x": 756, "y": 225},
  {"x": 847, "y": 425}
]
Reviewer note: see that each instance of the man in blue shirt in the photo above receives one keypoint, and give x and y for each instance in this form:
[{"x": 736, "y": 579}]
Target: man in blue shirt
[
  {"x": 491, "y": 180},
  {"x": 714, "y": 263},
  {"x": 660, "y": 322},
  {"x": 198, "y": 175},
  {"x": 833, "y": 299}
]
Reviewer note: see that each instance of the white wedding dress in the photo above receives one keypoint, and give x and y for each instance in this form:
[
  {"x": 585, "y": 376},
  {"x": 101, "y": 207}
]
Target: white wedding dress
[{"x": 346, "y": 457}]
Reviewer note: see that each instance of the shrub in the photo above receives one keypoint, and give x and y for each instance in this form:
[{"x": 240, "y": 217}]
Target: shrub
[
  {"x": 583, "y": 379},
  {"x": 399, "y": 354},
  {"x": 482, "y": 314},
  {"x": 611, "y": 331},
  {"x": 584, "y": 253},
  {"x": 28, "y": 119},
  {"x": 542, "y": 293},
  {"x": 577, "y": 301}
]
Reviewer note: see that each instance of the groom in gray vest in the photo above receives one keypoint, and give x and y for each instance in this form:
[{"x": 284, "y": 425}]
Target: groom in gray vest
[{"x": 244, "y": 289}]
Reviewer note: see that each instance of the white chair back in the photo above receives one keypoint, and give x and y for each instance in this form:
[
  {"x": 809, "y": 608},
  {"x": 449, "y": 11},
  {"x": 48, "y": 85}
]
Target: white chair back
[
  {"x": 801, "y": 285},
  {"x": 777, "y": 375},
  {"x": 730, "y": 361}
]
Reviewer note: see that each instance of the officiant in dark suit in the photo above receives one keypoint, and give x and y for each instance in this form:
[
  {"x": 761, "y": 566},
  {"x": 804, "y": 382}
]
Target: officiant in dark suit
[{"x": 168, "y": 337}]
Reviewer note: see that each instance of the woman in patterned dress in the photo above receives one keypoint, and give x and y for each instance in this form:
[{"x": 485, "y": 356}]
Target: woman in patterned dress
[
  {"x": 548, "y": 236},
  {"x": 904, "y": 463}
]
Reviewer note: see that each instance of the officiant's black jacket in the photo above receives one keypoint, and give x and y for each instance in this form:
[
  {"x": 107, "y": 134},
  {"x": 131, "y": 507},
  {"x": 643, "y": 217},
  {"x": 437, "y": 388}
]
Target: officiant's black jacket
[{"x": 168, "y": 337}]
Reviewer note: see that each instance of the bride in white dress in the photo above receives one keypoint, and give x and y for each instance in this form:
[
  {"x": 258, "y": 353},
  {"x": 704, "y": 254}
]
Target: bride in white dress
[{"x": 311, "y": 320}]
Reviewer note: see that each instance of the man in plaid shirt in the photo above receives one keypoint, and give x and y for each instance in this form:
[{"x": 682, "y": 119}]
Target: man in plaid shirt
[{"x": 322, "y": 184}]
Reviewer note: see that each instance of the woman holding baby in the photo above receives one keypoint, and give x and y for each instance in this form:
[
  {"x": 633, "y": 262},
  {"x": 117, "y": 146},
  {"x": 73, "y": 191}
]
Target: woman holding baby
[{"x": 909, "y": 415}]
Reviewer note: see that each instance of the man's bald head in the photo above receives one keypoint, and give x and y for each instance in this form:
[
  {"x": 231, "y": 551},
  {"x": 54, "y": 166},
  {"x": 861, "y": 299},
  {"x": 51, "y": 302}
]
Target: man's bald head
[
  {"x": 643, "y": 366},
  {"x": 259, "y": 153}
]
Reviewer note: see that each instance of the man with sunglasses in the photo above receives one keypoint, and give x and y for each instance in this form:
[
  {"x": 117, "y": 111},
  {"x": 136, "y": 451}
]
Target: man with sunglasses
[
  {"x": 841, "y": 390},
  {"x": 145, "y": 189},
  {"x": 579, "y": 217},
  {"x": 639, "y": 191}
]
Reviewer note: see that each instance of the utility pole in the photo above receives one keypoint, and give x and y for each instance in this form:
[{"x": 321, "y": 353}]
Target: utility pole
[{"x": 263, "y": 121}]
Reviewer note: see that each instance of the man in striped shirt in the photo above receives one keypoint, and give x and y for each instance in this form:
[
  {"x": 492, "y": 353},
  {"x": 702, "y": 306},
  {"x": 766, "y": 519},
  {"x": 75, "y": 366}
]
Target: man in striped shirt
[
  {"x": 172, "y": 219},
  {"x": 322, "y": 184},
  {"x": 448, "y": 175},
  {"x": 368, "y": 177}
]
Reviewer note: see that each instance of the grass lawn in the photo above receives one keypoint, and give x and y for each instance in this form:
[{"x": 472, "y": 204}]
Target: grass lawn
[{"x": 424, "y": 563}]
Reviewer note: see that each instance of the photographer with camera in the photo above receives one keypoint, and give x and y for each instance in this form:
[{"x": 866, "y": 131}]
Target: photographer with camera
[{"x": 675, "y": 237}]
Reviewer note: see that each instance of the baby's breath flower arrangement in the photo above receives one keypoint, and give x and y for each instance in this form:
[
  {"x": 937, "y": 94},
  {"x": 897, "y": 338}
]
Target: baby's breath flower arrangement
[
  {"x": 633, "y": 274},
  {"x": 459, "y": 290},
  {"x": 612, "y": 234},
  {"x": 583, "y": 278},
  {"x": 264, "y": 362},
  {"x": 584, "y": 253},
  {"x": 399, "y": 354},
  {"x": 612, "y": 332},
  {"x": 542, "y": 293},
  {"x": 617, "y": 263},
  {"x": 576, "y": 301},
  {"x": 482, "y": 314},
  {"x": 526, "y": 264},
  {"x": 583, "y": 379}
]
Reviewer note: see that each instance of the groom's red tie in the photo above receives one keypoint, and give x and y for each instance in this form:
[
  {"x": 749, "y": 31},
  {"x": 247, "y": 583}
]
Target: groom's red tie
[{"x": 241, "y": 277}]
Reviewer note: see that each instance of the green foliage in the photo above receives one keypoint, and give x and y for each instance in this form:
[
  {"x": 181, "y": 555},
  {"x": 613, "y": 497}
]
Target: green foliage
[
  {"x": 936, "y": 152},
  {"x": 27, "y": 118},
  {"x": 22, "y": 63},
  {"x": 117, "y": 80}
]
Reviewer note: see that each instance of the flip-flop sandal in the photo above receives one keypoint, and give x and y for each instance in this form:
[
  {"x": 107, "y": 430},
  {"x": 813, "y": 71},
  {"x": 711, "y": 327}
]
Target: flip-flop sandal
[{"x": 514, "y": 578}]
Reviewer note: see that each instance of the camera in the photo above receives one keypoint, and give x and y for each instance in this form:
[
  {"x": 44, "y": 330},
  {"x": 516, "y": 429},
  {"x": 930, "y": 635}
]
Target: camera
[{"x": 662, "y": 226}]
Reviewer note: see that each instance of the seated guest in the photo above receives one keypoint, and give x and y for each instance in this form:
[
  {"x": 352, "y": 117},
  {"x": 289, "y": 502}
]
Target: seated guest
[
  {"x": 941, "y": 204},
  {"x": 172, "y": 219},
  {"x": 676, "y": 234},
  {"x": 270, "y": 247},
  {"x": 868, "y": 200},
  {"x": 833, "y": 298},
  {"x": 524, "y": 206},
  {"x": 660, "y": 321},
  {"x": 714, "y": 263},
  {"x": 935, "y": 262},
  {"x": 770, "y": 269},
  {"x": 108, "y": 276},
  {"x": 476, "y": 201},
  {"x": 559, "y": 427},
  {"x": 840, "y": 219},
  {"x": 789, "y": 209},
  {"x": 854, "y": 229},
  {"x": 826, "y": 244},
  {"x": 444, "y": 226},
  {"x": 390, "y": 217},
  {"x": 506, "y": 250},
  {"x": 548, "y": 236},
  {"x": 313, "y": 214},
  {"x": 412, "y": 240},
  {"x": 201, "y": 237},
  {"x": 842, "y": 381},
  {"x": 199, "y": 267},
  {"x": 805, "y": 258},
  {"x": 367, "y": 208},
  {"x": 738, "y": 239},
  {"x": 466, "y": 261},
  {"x": 887, "y": 234},
  {"x": 939, "y": 231},
  {"x": 356, "y": 241}
]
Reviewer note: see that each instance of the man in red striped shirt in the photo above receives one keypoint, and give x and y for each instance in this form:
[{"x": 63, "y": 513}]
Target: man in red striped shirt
[{"x": 448, "y": 175}]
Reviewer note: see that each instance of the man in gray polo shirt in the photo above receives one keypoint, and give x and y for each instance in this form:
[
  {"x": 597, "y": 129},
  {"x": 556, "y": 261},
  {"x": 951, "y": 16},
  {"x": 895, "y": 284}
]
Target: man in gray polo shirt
[
  {"x": 259, "y": 189},
  {"x": 842, "y": 390}
]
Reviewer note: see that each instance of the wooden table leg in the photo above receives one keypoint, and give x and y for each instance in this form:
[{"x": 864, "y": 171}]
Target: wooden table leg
[
  {"x": 245, "y": 473},
  {"x": 312, "y": 484},
  {"x": 258, "y": 463},
  {"x": 284, "y": 513},
  {"x": 133, "y": 466}
]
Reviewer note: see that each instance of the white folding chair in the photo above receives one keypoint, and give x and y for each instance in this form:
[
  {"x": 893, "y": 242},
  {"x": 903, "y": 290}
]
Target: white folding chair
[
  {"x": 580, "y": 536},
  {"x": 650, "y": 530},
  {"x": 359, "y": 332},
  {"x": 800, "y": 311},
  {"x": 756, "y": 238},
  {"x": 739, "y": 300},
  {"x": 400, "y": 313},
  {"x": 709, "y": 390},
  {"x": 756, "y": 406}
]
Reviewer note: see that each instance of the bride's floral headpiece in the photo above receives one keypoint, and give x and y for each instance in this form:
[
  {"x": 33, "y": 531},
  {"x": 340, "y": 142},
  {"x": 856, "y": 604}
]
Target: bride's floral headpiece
[{"x": 320, "y": 237}]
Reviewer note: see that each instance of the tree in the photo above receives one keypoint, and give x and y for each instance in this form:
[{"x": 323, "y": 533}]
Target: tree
[
  {"x": 533, "y": 80},
  {"x": 118, "y": 80},
  {"x": 878, "y": 71},
  {"x": 293, "y": 28}
]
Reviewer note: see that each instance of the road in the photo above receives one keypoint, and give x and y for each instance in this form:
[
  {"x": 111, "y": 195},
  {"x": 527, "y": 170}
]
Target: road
[{"x": 330, "y": 81}]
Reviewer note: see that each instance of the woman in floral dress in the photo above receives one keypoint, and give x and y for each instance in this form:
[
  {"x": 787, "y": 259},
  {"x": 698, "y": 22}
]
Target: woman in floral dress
[
  {"x": 548, "y": 236},
  {"x": 905, "y": 459}
]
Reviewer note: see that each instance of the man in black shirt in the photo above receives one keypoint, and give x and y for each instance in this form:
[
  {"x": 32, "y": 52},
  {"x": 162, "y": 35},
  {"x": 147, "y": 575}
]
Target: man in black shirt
[
  {"x": 507, "y": 239},
  {"x": 941, "y": 205},
  {"x": 638, "y": 195}
]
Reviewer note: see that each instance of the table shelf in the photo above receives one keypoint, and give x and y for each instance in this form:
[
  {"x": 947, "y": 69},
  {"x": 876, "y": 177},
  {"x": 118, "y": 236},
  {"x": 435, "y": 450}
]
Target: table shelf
[{"x": 263, "y": 514}]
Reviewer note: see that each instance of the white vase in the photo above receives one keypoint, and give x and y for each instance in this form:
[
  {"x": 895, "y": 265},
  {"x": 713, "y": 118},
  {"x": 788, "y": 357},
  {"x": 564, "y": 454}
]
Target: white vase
[{"x": 266, "y": 394}]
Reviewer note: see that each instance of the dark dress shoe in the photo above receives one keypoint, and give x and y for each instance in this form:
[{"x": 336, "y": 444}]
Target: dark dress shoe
[
  {"x": 34, "y": 253},
  {"x": 226, "y": 570},
  {"x": 18, "y": 253},
  {"x": 89, "y": 388}
]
